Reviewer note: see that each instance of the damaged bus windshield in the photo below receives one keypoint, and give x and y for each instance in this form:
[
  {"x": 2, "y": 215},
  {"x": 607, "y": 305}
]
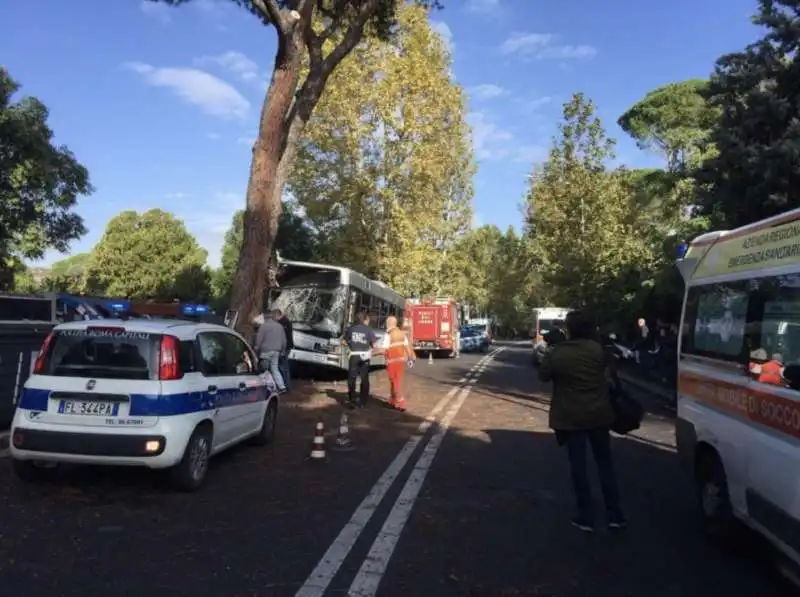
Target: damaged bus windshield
[{"x": 313, "y": 301}]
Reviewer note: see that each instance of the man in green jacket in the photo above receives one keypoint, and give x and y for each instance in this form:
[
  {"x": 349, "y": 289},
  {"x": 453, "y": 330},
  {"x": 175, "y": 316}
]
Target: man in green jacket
[{"x": 581, "y": 413}]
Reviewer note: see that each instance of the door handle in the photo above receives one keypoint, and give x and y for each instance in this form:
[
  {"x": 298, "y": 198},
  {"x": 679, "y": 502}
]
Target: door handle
[
  {"x": 212, "y": 390},
  {"x": 242, "y": 387}
]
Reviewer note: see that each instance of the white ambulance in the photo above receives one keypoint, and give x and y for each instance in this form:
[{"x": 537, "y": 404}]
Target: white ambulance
[{"x": 738, "y": 424}]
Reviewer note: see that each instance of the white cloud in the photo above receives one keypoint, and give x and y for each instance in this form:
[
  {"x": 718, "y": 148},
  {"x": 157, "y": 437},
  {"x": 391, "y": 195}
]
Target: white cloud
[
  {"x": 156, "y": 10},
  {"x": 211, "y": 94},
  {"x": 249, "y": 141},
  {"x": 177, "y": 195},
  {"x": 544, "y": 46},
  {"x": 488, "y": 139},
  {"x": 486, "y": 91},
  {"x": 236, "y": 63},
  {"x": 483, "y": 5},
  {"x": 531, "y": 154},
  {"x": 444, "y": 31},
  {"x": 213, "y": 136}
]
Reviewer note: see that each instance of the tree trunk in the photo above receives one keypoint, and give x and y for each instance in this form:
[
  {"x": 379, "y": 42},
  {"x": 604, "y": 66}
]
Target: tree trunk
[{"x": 264, "y": 187}]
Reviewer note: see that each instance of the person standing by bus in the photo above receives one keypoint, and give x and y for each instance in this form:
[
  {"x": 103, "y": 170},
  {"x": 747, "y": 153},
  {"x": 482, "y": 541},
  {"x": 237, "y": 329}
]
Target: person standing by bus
[
  {"x": 283, "y": 362},
  {"x": 398, "y": 353},
  {"x": 360, "y": 340}
]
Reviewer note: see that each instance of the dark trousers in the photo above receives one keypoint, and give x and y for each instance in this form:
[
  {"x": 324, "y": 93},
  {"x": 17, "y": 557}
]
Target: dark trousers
[
  {"x": 357, "y": 369},
  {"x": 600, "y": 442},
  {"x": 283, "y": 367}
]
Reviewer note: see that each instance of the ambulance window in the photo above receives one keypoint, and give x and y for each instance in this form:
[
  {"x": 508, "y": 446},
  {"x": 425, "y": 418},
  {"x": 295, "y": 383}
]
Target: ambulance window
[
  {"x": 714, "y": 325},
  {"x": 776, "y": 331}
]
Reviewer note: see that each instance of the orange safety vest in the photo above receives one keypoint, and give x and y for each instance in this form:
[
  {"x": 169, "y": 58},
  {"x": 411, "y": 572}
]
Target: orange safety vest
[
  {"x": 397, "y": 346},
  {"x": 771, "y": 373}
]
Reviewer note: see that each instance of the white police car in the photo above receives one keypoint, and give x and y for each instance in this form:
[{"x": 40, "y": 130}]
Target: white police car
[{"x": 163, "y": 394}]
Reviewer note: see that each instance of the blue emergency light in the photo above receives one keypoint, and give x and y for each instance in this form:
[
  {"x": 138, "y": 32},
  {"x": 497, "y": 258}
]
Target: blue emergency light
[
  {"x": 120, "y": 306},
  {"x": 194, "y": 309},
  {"x": 683, "y": 248}
]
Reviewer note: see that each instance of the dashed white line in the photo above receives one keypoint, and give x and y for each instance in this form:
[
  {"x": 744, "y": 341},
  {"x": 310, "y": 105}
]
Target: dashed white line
[
  {"x": 369, "y": 576},
  {"x": 326, "y": 569}
]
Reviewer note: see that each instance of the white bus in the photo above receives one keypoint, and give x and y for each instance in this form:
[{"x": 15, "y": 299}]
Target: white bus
[
  {"x": 322, "y": 301},
  {"x": 738, "y": 423}
]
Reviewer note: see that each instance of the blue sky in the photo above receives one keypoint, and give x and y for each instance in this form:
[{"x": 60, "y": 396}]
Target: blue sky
[{"x": 161, "y": 103}]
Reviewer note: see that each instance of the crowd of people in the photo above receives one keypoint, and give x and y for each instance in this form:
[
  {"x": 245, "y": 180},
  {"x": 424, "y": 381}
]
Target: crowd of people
[{"x": 274, "y": 342}]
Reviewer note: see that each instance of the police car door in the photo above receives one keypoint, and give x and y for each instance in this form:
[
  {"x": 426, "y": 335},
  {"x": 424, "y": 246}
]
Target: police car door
[
  {"x": 222, "y": 384},
  {"x": 249, "y": 401}
]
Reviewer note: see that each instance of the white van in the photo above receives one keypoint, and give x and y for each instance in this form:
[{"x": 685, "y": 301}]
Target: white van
[
  {"x": 738, "y": 424},
  {"x": 162, "y": 394}
]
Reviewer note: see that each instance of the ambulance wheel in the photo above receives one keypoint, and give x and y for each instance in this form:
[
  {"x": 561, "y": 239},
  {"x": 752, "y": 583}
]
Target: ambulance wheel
[
  {"x": 268, "y": 425},
  {"x": 30, "y": 471},
  {"x": 189, "y": 474},
  {"x": 711, "y": 485}
]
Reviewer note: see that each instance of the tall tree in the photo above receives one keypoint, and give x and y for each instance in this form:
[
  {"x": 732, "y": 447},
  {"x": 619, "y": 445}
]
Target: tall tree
[
  {"x": 295, "y": 240},
  {"x": 39, "y": 184},
  {"x": 676, "y": 121},
  {"x": 581, "y": 217},
  {"x": 288, "y": 106},
  {"x": 757, "y": 173},
  {"x": 67, "y": 275},
  {"x": 148, "y": 255},
  {"x": 384, "y": 169}
]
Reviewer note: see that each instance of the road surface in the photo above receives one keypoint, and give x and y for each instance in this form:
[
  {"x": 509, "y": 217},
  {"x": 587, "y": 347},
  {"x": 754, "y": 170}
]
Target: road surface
[{"x": 476, "y": 505}]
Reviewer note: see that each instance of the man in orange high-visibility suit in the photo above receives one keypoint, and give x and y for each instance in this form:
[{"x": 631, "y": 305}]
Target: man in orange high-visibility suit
[{"x": 398, "y": 353}]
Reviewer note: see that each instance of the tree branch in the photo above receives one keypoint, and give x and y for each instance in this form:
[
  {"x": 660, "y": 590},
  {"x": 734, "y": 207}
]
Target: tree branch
[{"x": 271, "y": 10}]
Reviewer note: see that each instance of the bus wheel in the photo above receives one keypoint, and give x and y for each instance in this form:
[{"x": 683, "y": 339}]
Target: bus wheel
[{"x": 713, "y": 498}]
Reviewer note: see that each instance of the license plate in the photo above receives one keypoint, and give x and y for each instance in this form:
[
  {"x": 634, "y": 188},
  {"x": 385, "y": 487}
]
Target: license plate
[{"x": 88, "y": 408}]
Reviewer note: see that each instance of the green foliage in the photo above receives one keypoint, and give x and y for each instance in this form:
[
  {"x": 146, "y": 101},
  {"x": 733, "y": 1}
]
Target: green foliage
[
  {"x": 383, "y": 15},
  {"x": 39, "y": 184},
  {"x": 676, "y": 121},
  {"x": 582, "y": 219},
  {"x": 384, "y": 169},
  {"x": 295, "y": 241},
  {"x": 757, "y": 171},
  {"x": 148, "y": 255}
]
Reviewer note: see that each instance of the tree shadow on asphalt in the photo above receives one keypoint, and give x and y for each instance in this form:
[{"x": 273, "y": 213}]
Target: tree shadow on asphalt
[{"x": 504, "y": 497}]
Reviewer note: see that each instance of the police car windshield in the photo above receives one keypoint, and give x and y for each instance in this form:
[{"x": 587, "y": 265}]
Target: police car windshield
[
  {"x": 313, "y": 309},
  {"x": 103, "y": 354}
]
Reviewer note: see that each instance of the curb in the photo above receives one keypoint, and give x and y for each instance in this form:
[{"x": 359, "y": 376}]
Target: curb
[{"x": 4, "y": 443}]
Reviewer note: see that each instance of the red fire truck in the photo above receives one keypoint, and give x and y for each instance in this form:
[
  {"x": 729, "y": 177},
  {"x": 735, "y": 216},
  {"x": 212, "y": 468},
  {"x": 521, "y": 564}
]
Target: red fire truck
[{"x": 434, "y": 324}]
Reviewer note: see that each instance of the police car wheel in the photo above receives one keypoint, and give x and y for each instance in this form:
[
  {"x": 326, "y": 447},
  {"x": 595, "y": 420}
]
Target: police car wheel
[
  {"x": 190, "y": 472},
  {"x": 267, "y": 432},
  {"x": 32, "y": 472}
]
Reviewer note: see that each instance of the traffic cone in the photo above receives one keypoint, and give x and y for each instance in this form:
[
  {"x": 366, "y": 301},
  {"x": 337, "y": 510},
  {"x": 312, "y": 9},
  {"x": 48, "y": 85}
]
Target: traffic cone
[
  {"x": 318, "y": 446},
  {"x": 430, "y": 358},
  {"x": 343, "y": 441}
]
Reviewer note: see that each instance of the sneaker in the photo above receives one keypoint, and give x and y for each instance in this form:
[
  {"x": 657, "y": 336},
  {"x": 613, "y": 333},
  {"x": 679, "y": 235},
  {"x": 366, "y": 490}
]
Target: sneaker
[
  {"x": 617, "y": 524},
  {"x": 586, "y": 527}
]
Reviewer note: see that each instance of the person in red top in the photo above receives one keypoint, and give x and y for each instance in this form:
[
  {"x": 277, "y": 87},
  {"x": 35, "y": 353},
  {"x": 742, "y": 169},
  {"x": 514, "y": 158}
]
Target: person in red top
[{"x": 398, "y": 354}]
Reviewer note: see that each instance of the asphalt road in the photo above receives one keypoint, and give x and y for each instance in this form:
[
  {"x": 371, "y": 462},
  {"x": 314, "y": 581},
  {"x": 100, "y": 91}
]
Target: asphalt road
[{"x": 477, "y": 505}]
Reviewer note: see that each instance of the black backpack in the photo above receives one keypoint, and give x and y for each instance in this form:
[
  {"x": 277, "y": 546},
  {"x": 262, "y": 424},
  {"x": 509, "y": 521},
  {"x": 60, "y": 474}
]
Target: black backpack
[{"x": 629, "y": 412}]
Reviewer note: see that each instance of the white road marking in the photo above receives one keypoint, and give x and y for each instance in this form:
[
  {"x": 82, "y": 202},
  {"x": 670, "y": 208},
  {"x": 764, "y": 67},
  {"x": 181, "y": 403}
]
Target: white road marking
[
  {"x": 369, "y": 576},
  {"x": 325, "y": 570}
]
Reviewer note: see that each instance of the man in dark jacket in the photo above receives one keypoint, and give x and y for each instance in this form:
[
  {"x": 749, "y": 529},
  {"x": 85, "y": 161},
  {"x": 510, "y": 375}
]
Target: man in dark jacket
[
  {"x": 581, "y": 413},
  {"x": 283, "y": 363}
]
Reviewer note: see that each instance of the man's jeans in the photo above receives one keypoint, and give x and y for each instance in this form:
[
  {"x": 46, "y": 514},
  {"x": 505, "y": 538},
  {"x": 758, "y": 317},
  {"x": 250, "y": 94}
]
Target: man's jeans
[
  {"x": 600, "y": 442},
  {"x": 283, "y": 366},
  {"x": 271, "y": 362}
]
